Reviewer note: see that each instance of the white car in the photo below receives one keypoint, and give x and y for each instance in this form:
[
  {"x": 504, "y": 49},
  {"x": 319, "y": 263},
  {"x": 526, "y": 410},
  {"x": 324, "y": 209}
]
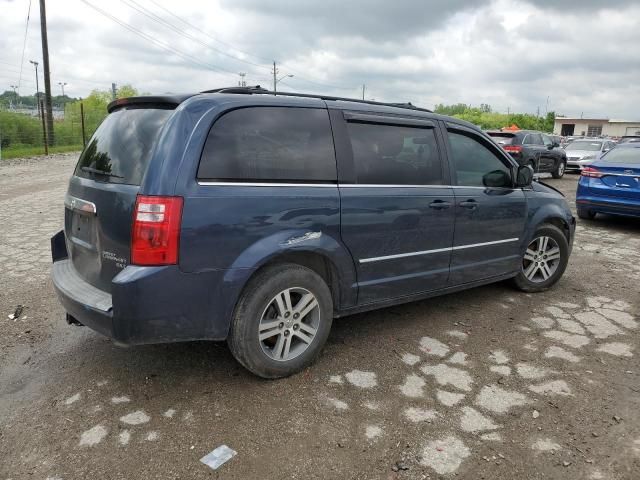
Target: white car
[{"x": 581, "y": 153}]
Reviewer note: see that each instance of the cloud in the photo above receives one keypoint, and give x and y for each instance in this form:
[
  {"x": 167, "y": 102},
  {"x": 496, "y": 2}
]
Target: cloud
[{"x": 512, "y": 54}]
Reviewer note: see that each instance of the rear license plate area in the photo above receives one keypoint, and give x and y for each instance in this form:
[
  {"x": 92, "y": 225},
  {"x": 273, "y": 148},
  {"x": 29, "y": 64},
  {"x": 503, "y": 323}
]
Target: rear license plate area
[{"x": 83, "y": 229}]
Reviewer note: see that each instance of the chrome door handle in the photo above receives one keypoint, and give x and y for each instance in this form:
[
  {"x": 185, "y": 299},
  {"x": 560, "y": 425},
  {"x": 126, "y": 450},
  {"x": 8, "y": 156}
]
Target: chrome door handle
[
  {"x": 469, "y": 204},
  {"x": 439, "y": 205}
]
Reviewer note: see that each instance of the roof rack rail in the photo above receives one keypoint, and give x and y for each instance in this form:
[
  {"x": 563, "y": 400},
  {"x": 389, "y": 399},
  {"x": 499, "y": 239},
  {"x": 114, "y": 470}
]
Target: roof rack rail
[{"x": 259, "y": 90}]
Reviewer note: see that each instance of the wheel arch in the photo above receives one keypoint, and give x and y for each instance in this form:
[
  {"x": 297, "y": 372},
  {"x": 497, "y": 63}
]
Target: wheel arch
[{"x": 324, "y": 255}]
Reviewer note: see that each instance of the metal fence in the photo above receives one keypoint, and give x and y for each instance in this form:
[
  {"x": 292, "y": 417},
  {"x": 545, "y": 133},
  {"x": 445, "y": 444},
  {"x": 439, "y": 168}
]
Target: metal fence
[{"x": 25, "y": 135}]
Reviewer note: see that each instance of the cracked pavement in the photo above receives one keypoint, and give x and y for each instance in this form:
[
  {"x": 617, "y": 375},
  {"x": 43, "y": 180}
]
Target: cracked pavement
[{"x": 486, "y": 383}]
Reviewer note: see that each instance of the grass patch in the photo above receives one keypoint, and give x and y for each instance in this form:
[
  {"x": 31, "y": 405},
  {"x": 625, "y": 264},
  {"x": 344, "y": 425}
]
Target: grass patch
[{"x": 35, "y": 151}]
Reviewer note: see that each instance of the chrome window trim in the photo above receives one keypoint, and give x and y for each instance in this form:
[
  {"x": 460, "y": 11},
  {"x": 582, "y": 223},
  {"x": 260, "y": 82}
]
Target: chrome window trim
[
  {"x": 437, "y": 250},
  {"x": 384, "y": 185},
  {"x": 336, "y": 185},
  {"x": 266, "y": 184}
]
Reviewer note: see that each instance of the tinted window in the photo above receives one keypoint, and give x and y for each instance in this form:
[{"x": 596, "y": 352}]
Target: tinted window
[
  {"x": 475, "y": 165},
  {"x": 122, "y": 145},
  {"x": 395, "y": 155},
  {"x": 624, "y": 155},
  {"x": 533, "y": 139},
  {"x": 270, "y": 144}
]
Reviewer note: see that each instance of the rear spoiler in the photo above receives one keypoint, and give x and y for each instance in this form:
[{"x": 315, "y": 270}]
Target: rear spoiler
[{"x": 161, "y": 101}]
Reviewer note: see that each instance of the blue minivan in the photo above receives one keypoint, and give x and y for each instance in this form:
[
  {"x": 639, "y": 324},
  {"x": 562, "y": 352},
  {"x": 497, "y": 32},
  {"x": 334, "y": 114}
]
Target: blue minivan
[{"x": 241, "y": 215}]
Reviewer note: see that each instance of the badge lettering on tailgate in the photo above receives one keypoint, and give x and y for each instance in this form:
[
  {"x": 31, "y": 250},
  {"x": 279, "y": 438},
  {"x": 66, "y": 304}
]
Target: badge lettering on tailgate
[{"x": 121, "y": 262}]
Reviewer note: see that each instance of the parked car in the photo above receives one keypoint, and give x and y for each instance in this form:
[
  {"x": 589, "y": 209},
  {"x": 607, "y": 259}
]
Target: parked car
[
  {"x": 611, "y": 184},
  {"x": 243, "y": 216},
  {"x": 629, "y": 139},
  {"x": 533, "y": 148},
  {"x": 581, "y": 153}
]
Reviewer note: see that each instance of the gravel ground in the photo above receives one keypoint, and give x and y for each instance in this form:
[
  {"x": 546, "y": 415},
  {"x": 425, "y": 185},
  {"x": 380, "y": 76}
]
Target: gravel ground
[{"x": 488, "y": 383}]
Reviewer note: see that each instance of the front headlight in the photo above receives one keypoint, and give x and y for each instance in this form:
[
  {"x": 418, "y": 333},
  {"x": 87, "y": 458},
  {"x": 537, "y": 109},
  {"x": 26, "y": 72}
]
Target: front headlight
[{"x": 588, "y": 157}]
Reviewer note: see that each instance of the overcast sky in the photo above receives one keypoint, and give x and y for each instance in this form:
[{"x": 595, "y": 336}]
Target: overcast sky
[{"x": 510, "y": 54}]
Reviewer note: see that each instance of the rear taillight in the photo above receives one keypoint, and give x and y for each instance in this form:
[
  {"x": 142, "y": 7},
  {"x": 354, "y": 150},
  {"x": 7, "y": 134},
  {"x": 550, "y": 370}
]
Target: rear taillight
[
  {"x": 513, "y": 148},
  {"x": 591, "y": 172},
  {"x": 155, "y": 235}
]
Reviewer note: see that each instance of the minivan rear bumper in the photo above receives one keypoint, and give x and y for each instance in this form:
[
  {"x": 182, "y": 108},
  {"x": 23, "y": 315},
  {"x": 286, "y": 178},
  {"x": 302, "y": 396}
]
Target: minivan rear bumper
[
  {"x": 150, "y": 304},
  {"x": 88, "y": 305}
]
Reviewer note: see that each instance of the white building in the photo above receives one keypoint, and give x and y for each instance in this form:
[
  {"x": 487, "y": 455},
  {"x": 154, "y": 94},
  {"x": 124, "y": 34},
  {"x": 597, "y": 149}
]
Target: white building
[{"x": 594, "y": 127}]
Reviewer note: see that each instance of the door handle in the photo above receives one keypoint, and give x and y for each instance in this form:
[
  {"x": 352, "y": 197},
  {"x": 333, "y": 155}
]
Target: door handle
[
  {"x": 439, "y": 205},
  {"x": 469, "y": 204}
]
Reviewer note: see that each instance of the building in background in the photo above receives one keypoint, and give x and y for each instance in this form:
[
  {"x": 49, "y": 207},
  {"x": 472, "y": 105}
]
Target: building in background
[{"x": 595, "y": 127}]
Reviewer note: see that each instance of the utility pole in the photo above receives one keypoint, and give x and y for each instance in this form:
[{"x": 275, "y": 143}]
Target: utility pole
[
  {"x": 275, "y": 77},
  {"x": 47, "y": 79},
  {"x": 62, "y": 84},
  {"x": 113, "y": 91},
  {"x": 546, "y": 109},
  {"x": 35, "y": 64},
  {"x": 242, "y": 82},
  {"x": 363, "y": 87},
  {"x": 15, "y": 92}
]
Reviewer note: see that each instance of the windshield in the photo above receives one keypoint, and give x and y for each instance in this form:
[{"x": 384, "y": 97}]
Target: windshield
[
  {"x": 629, "y": 156},
  {"x": 585, "y": 146},
  {"x": 120, "y": 149}
]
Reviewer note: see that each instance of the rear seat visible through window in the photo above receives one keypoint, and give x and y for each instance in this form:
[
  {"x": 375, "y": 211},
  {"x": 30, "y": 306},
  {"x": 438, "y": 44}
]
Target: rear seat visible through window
[{"x": 395, "y": 155}]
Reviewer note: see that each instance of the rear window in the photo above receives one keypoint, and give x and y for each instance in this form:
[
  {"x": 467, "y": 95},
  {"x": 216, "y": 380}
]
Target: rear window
[
  {"x": 121, "y": 147},
  {"x": 585, "y": 146},
  {"x": 628, "y": 156},
  {"x": 502, "y": 139},
  {"x": 270, "y": 144}
]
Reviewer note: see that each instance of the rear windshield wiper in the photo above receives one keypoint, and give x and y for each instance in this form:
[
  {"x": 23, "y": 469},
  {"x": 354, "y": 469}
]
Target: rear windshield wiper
[{"x": 100, "y": 172}]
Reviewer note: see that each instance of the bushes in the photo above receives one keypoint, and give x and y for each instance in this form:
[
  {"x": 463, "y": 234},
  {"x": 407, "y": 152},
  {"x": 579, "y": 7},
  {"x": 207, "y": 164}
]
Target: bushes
[
  {"x": 488, "y": 120},
  {"x": 23, "y": 133}
]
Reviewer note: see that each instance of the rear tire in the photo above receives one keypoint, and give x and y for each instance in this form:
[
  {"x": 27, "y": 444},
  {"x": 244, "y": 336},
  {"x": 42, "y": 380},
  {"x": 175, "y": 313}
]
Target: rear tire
[
  {"x": 281, "y": 321},
  {"x": 586, "y": 214},
  {"x": 544, "y": 261},
  {"x": 560, "y": 169}
]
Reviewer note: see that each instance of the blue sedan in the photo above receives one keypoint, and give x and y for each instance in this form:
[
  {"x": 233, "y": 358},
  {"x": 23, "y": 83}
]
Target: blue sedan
[{"x": 611, "y": 184}]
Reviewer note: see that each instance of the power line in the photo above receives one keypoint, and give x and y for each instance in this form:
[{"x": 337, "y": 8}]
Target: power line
[
  {"x": 139, "y": 8},
  {"x": 157, "y": 42},
  {"x": 298, "y": 76},
  {"x": 24, "y": 43},
  {"x": 190, "y": 25}
]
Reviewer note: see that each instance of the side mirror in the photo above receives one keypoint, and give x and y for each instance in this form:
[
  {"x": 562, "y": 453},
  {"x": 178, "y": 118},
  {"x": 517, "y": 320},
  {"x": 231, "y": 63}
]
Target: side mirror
[
  {"x": 555, "y": 144},
  {"x": 496, "y": 179},
  {"x": 524, "y": 176}
]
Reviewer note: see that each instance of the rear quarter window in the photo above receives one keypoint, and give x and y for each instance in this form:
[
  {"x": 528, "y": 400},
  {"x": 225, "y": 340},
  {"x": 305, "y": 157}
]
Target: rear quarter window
[
  {"x": 270, "y": 144},
  {"x": 120, "y": 149},
  {"x": 622, "y": 155}
]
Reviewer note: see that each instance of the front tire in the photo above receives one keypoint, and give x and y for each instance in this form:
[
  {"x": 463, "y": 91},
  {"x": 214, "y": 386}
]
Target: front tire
[
  {"x": 544, "y": 261},
  {"x": 560, "y": 169},
  {"x": 281, "y": 321}
]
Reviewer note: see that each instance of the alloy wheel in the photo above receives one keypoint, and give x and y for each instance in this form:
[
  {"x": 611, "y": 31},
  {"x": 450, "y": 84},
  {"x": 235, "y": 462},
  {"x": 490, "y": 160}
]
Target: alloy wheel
[
  {"x": 289, "y": 324},
  {"x": 541, "y": 259}
]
